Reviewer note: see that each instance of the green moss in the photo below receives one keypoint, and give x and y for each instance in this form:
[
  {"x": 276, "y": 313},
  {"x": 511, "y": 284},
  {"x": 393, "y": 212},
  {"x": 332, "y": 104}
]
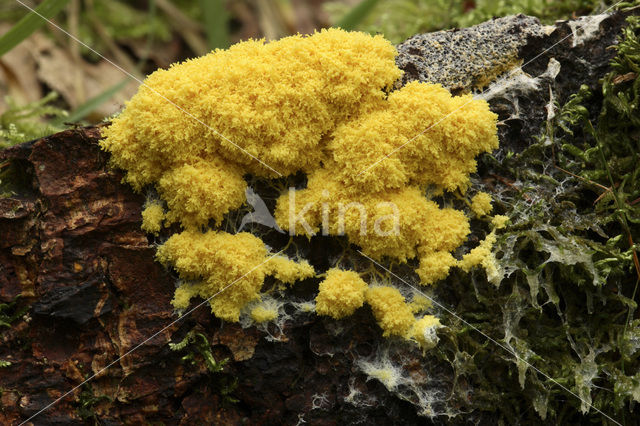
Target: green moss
[
  {"x": 198, "y": 349},
  {"x": 567, "y": 299},
  {"x": 22, "y": 123},
  {"x": 87, "y": 400},
  {"x": 10, "y": 312},
  {"x": 198, "y": 344}
]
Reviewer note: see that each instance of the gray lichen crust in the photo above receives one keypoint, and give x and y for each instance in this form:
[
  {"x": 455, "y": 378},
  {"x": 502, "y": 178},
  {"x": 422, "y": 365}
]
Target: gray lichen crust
[{"x": 469, "y": 58}]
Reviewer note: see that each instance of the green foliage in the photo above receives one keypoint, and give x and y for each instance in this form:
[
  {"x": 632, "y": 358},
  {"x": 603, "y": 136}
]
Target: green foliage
[
  {"x": 87, "y": 400},
  {"x": 121, "y": 22},
  {"x": 21, "y": 123},
  {"x": 9, "y": 312},
  {"x": 90, "y": 105},
  {"x": 356, "y": 15},
  {"x": 608, "y": 156},
  {"x": 567, "y": 304},
  {"x": 125, "y": 23},
  {"x": 548, "y": 11},
  {"x": 199, "y": 344},
  {"x": 29, "y": 23},
  {"x": 102, "y": 24},
  {"x": 401, "y": 19},
  {"x": 215, "y": 17},
  {"x": 573, "y": 112}
]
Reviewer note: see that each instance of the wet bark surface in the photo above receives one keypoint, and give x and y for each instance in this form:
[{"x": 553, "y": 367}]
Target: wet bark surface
[{"x": 86, "y": 291}]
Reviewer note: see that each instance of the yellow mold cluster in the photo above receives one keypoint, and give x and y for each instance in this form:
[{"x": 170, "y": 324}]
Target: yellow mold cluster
[
  {"x": 152, "y": 217},
  {"x": 340, "y": 294},
  {"x": 423, "y": 332},
  {"x": 395, "y": 317},
  {"x": 320, "y": 105},
  {"x": 434, "y": 138},
  {"x": 264, "y": 313},
  {"x": 276, "y": 101},
  {"x": 481, "y": 204},
  {"x": 483, "y": 253},
  {"x": 390, "y": 310},
  {"x": 227, "y": 268}
]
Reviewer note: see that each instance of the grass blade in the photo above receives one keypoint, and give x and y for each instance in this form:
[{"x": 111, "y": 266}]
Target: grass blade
[
  {"x": 27, "y": 25},
  {"x": 356, "y": 15},
  {"x": 85, "y": 109},
  {"x": 215, "y": 18}
]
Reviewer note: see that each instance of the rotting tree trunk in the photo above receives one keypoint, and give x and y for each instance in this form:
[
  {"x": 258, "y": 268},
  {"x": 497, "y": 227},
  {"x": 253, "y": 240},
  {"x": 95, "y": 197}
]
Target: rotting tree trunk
[{"x": 72, "y": 249}]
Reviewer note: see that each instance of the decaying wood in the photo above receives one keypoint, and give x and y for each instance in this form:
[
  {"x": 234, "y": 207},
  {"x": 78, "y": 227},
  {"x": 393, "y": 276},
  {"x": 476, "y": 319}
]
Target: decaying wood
[{"x": 72, "y": 247}]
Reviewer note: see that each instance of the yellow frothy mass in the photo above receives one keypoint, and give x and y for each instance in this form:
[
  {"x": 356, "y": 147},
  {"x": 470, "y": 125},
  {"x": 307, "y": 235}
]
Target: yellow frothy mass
[
  {"x": 262, "y": 314},
  {"x": 423, "y": 332},
  {"x": 274, "y": 100},
  {"x": 152, "y": 217},
  {"x": 340, "y": 294},
  {"x": 230, "y": 266},
  {"x": 321, "y": 105},
  {"x": 481, "y": 204},
  {"x": 394, "y": 316}
]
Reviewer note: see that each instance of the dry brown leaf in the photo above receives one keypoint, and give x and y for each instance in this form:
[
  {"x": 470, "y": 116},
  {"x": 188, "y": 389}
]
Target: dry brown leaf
[
  {"x": 55, "y": 67},
  {"x": 18, "y": 77},
  {"x": 58, "y": 70}
]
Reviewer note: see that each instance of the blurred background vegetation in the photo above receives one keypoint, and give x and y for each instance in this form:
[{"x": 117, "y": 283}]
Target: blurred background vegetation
[{"x": 48, "y": 79}]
